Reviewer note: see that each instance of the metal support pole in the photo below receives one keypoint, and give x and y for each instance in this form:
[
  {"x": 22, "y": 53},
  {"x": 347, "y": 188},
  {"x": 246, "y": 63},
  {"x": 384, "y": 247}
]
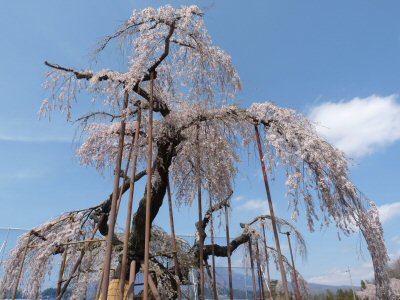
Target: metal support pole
[
  {"x": 213, "y": 254},
  {"x": 253, "y": 276},
  {"x": 130, "y": 203},
  {"x": 175, "y": 253},
  {"x": 267, "y": 260},
  {"x": 200, "y": 228},
  {"x": 272, "y": 214},
  {"x": 148, "y": 191},
  {"x": 114, "y": 202},
  {"x": 21, "y": 266},
  {"x": 228, "y": 250},
  {"x": 294, "y": 267}
]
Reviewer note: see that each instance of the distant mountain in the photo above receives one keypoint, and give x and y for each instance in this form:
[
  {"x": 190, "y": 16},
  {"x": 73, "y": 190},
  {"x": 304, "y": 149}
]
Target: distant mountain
[
  {"x": 243, "y": 282},
  {"x": 316, "y": 288}
]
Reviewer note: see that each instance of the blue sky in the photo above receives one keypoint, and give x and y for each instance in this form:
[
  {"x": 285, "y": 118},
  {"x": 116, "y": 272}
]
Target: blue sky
[{"x": 337, "y": 62}]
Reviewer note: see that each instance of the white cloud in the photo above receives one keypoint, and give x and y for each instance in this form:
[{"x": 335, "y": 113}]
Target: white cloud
[
  {"x": 389, "y": 211},
  {"x": 238, "y": 198},
  {"x": 341, "y": 277},
  {"x": 253, "y": 205},
  {"x": 360, "y": 126}
]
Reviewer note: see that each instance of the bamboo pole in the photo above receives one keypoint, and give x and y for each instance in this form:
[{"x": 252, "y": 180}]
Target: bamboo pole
[
  {"x": 62, "y": 269},
  {"x": 228, "y": 250},
  {"x": 253, "y": 276},
  {"x": 260, "y": 281},
  {"x": 21, "y": 266},
  {"x": 130, "y": 204},
  {"x": 272, "y": 214},
  {"x": 114, "y": 202},
  {"x": 77, "y": 264},
  {"x": 267, "y": 260},
  {"x": 83, "y": 242},
  {"x": 200, "y": 224},
  {"x": 175, "y": 247},
  {"x": 213, "y": 254},
  {"x": 148, "y": 191},
  {"x": 294, "y": 267}
]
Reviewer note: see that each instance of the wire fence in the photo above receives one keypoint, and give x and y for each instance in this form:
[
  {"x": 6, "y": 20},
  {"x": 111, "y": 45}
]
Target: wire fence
[{"x": 241, "y": 275}]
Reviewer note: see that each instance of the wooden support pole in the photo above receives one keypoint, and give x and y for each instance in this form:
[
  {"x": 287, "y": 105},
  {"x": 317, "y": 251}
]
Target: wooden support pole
[
  {"x": 148, "y": 190},
  {"x": 214, "y": 287},
  {"x": 259, "y": 273},
  {"x": 114, "y": 202},
  {"x": 267, "y": 260},
  {"x": 21, "y": 266},
  {"x": 62, "y": 269},
  {"x": 210, "y": 277},
  {"x": 200, "y": 223},
  {"x": 228, "y": 250},
  {"x": 132, "y": 276},
  {"x": 253, "y": 276},
  {"x": 272, "y": 214},
  {"x": 153, "y": 289},
  {"x": 130, "y": 204},
  {"x": 98, "y": 291},
  {"x": 174, "y": 245},
  {"x": 294, "y": 267}
]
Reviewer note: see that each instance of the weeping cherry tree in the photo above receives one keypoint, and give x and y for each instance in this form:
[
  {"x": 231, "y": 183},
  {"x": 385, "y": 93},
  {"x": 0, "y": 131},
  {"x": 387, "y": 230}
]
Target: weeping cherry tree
[{"x": 194, "y": 90}]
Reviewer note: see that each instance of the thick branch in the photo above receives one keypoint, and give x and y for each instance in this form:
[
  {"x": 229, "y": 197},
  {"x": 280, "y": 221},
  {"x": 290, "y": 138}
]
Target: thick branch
[
  {"x": 105, "y": 206},
  {"x": 282, "y": 222},
  {"x": 213, "y": 209},
  {"x": 222, "y": 251}
]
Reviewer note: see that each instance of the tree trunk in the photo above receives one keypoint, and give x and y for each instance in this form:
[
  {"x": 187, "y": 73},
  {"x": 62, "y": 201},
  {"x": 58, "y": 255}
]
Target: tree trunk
[{"x": 165, "y": 152}]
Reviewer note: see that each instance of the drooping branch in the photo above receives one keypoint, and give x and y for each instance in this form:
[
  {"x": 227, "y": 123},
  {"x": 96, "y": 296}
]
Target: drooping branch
[
  {"x": 159, "y": 105},
  {"x": 282, "y": 222},
  {"x": 214, "y": 208}
]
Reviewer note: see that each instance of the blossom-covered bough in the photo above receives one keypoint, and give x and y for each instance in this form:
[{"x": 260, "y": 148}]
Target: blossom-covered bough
[{"x": 193, "y": 91}]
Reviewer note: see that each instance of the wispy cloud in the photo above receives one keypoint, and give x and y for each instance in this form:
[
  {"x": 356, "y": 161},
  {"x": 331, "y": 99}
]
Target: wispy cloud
[
  {"x": 238, "y": 198},
  {"x": 396, "y": 239},
  {"x": 22, "y": 174},
  {"x": 35, "y": 139},
  {"x": 253, "y": 205},
  {"x": 360, "y": 126},
  {"x": 342, "y": 277},
  {"x": 389, "y": 211}
]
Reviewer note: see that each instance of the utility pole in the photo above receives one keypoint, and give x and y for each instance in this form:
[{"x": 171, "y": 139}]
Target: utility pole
[{"x": 351, "y": 282}]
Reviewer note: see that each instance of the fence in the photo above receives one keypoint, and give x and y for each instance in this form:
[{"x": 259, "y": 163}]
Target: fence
[{"x": 242, "y": 280}]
